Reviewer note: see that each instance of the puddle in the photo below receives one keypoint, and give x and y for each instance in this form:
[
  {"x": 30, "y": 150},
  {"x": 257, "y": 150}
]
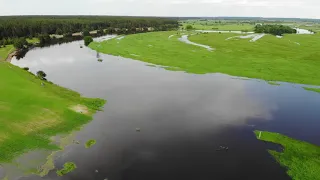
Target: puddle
[
  {"x": 253, "y": 37},
  {"x": 185, "y": 39},
  {"x": 303, "y": 31}
]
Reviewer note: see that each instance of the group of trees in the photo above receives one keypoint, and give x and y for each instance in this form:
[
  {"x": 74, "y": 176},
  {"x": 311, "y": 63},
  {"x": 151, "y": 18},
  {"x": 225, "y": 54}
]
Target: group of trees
[
  {"x": 274, "y": 29},
  {"x": 15, "y": 29},
  {"x": 189, "y": 27},
  {"x": 20, "y": 43},
  {"x": 33, "y": 26}
]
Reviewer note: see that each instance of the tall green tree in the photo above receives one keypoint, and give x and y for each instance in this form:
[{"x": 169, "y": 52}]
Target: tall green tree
[
  {"x": 42, "y": 75},
  {"x": 87, "y": 40},
  {"x": 20, "y": 43}
]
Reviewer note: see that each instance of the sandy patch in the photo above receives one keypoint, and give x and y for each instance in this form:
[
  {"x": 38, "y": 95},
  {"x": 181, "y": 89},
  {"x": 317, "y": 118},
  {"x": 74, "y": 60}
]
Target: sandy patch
[
  {"x": 80, "y": 109},
  {"x": 4, "y": 106},
  {"x": 185, "y": 39},
  {"x": 171, "y": 36}
]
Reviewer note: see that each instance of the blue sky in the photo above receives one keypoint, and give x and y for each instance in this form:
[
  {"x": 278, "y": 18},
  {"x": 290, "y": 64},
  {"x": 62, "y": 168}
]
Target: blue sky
[{"x": 261, "y": 8}]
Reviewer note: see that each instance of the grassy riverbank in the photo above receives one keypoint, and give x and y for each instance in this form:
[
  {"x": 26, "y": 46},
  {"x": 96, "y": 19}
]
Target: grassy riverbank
[
  {"x": 293, "y": 58},
  {"x": 32, "y": 113},
  {"x": 312, "y": 89},
  {"x": 5, "y": 51},
  {"x": 301, "y": 158}
]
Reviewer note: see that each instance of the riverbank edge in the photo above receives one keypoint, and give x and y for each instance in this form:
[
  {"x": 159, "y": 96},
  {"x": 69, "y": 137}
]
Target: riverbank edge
[{"x": 298, "y": 157}]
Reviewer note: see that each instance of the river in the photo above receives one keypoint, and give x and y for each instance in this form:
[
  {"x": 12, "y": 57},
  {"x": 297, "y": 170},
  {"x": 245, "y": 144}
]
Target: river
[{"x": 184, "y": 119}]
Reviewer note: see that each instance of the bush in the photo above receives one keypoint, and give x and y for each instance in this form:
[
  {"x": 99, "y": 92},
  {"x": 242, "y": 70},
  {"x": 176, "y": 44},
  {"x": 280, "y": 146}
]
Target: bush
[
  {"x": 42, "y": 75},
  {"x": 189, "y": 27},
  {"x": 26, "y": 68},
  {"x": 87, "y": 40}
]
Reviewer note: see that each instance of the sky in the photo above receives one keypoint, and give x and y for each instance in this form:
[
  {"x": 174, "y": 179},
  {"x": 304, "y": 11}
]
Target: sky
[{"x": 181, "y": 8}]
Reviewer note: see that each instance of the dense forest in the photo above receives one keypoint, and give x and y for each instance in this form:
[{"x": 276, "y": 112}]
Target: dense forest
[
  {"x": 274, "y": 29},
  {"x": 34, "y": 26}
]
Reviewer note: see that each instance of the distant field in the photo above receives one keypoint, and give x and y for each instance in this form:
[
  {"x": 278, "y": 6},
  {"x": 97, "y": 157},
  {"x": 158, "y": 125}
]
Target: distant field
[
  {"x": 226, "y": 27},
  {"x": 5, "y": 51},
  {"x": 218, "y": 25},
  {"x": 31, "y": 113},
  {"x": 293, "y": 58}
]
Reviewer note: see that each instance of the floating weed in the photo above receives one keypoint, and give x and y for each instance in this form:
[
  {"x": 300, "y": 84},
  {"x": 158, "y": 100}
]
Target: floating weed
[{"x": 90, "y": 143}]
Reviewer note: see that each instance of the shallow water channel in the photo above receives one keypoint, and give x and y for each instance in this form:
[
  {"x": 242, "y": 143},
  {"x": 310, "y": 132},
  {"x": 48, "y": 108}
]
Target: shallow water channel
[{"x": 183, "y": 118}]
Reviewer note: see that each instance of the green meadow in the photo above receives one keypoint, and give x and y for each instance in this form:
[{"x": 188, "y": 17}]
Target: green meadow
[
  {"x": 300, "y": 158},
  {"x": 32, "y": 111},
  {"x": 293, "y": 58}
]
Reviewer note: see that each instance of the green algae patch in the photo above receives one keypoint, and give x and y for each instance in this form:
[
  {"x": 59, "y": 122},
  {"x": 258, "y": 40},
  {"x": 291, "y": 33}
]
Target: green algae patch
[
  {"x": 67, "y": 168},
  {"x": 300, "y": 158},
  {"x": 90, "y": 143}
]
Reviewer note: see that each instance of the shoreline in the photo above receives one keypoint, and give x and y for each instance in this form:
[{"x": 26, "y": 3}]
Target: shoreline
[{"x": 11, "y": 55}]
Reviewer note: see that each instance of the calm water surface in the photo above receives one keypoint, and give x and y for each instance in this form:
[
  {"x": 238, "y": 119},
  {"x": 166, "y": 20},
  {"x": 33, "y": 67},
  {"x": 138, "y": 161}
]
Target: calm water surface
[{"x": 183, "y": 118}]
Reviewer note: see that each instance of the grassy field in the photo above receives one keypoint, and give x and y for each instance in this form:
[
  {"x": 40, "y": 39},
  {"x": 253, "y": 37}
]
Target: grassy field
[
  {"x": 293, "y": 58},
  {"x": 32, "y": 113},
  {"x": 301, "y": 158},
  {"x": 5, "y": 51},
  {"x": 33, "y": 40}
]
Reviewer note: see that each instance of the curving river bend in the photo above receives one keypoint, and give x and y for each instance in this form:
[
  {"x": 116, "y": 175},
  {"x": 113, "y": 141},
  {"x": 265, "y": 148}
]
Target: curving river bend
[{"x": 183, "y": 118}]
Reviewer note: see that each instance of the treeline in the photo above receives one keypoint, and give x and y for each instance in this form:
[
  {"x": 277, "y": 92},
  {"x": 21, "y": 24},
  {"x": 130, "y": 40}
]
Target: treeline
[
  {"x": 33, "y": 26},
  {"x": 274, "y": 29}
]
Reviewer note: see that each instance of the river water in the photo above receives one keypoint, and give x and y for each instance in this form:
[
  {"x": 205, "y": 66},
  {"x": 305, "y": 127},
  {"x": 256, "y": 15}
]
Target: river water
[{"x": 184, "y": 119}]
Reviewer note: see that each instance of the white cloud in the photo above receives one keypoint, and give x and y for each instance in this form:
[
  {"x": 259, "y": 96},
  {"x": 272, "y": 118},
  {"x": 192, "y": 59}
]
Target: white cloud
[{"x": 265, "y": 8}]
